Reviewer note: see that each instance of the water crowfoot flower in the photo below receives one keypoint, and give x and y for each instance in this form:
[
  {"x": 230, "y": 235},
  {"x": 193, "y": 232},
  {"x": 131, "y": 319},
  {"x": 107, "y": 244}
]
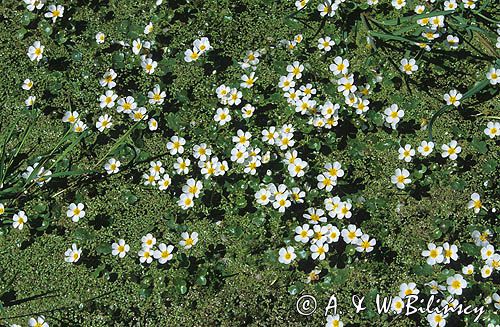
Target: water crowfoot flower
[
  {"x": 75, "y": 211},
  {"x": 35, "y": 52},
  {"x": 120, "y": 249},
  {"x": 287, "y": 255},
  {"x": 19, "y": 220},
  {"x": 72, "y": 255},
  {"x": 400, "y": 178}
]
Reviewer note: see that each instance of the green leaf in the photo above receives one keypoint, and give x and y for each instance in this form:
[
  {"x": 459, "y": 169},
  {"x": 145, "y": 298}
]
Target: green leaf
[
  {"x": 104, "y": 248},
  {"x": 201, "y": 280},
  {"x": 480, "y": 146},
  {"x": 422, "y": 270}
]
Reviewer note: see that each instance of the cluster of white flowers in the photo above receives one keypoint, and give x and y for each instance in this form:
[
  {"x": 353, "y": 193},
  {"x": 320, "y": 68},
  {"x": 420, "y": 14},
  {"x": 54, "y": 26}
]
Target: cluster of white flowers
[
  {"x": 320, "y": 236},
  {"x": 200, "y": 46},
  {"x": 163, "y": 252},
  {"x": 37, "y": 173}
]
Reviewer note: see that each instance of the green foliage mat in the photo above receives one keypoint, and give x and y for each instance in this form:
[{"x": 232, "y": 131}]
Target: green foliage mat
[{"x": 246, "y": 267}]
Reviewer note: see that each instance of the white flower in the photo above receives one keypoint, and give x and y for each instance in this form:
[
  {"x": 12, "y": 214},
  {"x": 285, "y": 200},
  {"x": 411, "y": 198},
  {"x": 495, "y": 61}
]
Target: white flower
[
  {"x": 222, "y": 116},
  {"x": 346, "y": 85},
  {"x": 451, "y": 150},
  {"x": 453, "y": 98},
  {"x": 188, "y": 241},
  {"x": 425, "y": 148},
  {"x": 103, "y": 123},
  {"x": 334, "y": 321},
  {"x": 38, "y": 322},
  {"x": 493, "y": 75},
  {"x": 364, "y": 244},
  {"x": 152, "y": 124},
  {"x": 286, "y": 82},
  {"x": 398, "y": 4},
  {"x": 35, "y": 51},
  {"x": 325, "y": 43},
  {"x": 351, "y": 234},
  {"x": 475, "y": 203},
  {"x": 408, "y": 66},
  {"x": 99, "y": 38},
  {"x": 297, "y": 168},
  {"x": 340, "y": 66},
  {"x": 192, "y": 187},
  {"x": 30, "y": 101},
  {"x": 408, "y": 289},
  {"x": 136, "y": 46},
  {"x": 326, "y": 182},
  {"x": 487, "y": 252},
  {"x": 149, "y": 65},
  {"x": 186, "y": 201},
  {"x": 248, "y": 80},
  {"x": 73, "y": 254},
  {"x": 434, "y": 254},
  {"x": 320, "y": 234},
  {"x": 455, "y": 284},
  {"x": 54, "y": 12},
  {"x": 79, "y": 126},
  {"x": 400, "y": 178},
  {"x": 234, "y": 97},
  {"x": 327, "y": 8},
  {"x": 34, "y": 4},
  {"x": 486, "y": 271},
  {"x": 468, "y": 270},
  {"x": 202, "y": 44},
  {"x": 295, "y": 70},
  {"x": 301, "y": 4},
  {"x": 182, "y": 166},
  {"x": 156, "y": 96},
  {"x": 449, "y": 252},
  {"x": 435, "y": 288},
  {"x": 406, "y": 153},
  {"x": 319, "y": 250},
  {"x": 393, "y": 115},
  {"x": 150, "y": 178},
  {"x": 120, "y": 249},
  {"x": 247, "y": 110},
  {"x": 27, "y": 84},
  {"x": 145, "y": 255},
  {"x": 164, "y": 253},
  {"x": 75, "y": 211},
  {"x": 19, "y": 220},
  {"x": 164, "y": 182},
  {"x": 315, "y": 216},
  {"x": 176, "y": 145},
  {"x": 148, "y": 240},
  {"x": 281, "y": 202},
  {"x": 263, "y": 196},
  {"x": 481, "y": 239},
  {"x": 450, "y": 5},
  {"x": 112, "y": 166},
  {"x": 126, "y": 105},
  {"x": 397, "y": 304},
  {"x": 437, "y": 319},
  {"x": 191, "y": 55},
  {"x": 344, "y": 210},
  {"x": 304, "y": 233},
  {"x": 287, "y": 255},
  {"x": 149, "y": 28},
  {"x": 452, "y": 41},
  {"x": 492, "y": 129},
  {"x": 333, "y": 234},
  {"x": 139, "y": 114},
  {"x": 107, "y": 100},
  {"x": 70, "y": 117}
]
